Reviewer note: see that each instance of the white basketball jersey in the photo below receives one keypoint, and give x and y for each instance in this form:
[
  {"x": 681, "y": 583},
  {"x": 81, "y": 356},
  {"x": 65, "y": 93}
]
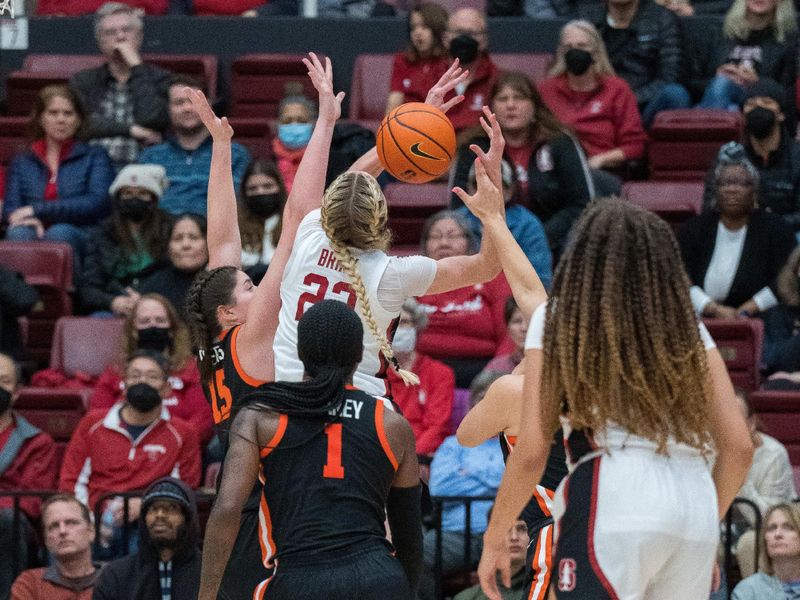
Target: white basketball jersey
[{"x": 312, "y": 275}]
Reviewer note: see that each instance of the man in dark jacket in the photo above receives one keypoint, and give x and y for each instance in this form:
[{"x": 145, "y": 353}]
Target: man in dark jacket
[
  {"x": 17, "y": 299},
  {"x": 126, "y": 98},
  {"x": 167, "y": 566},
  {"x": 643, "y": 41}
]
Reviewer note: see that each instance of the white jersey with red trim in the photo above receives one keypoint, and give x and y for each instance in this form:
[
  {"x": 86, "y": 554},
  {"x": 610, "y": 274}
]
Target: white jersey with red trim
[{"x": 313, "y": 274}]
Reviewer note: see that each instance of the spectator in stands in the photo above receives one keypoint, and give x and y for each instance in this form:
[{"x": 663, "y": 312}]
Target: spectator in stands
[
  {"x": 296, "y": 116},
  {"x": 417, "y": 69},
  {"x": 643, "y": 41},
  {"x": 186, "y": 153},
  {"x": 759, "y": 40},
  {"x": 428, "y": 405},
  {"x": 536, "y": 9},
  {"x": 522, "y": 223},
  {"x": 17, "y": 299},
  {"x": 734, "y": 253},
  {"x": 74, "y": 8},
  {"x": 517, "y": 327},
  {"x": 585, "y": 94},
  {"x": 771, "y": 147},
  {"x": 780, "y": 558},
  {"x": 167, "y": 564},
  {"x": 260, "y": 209},
  {"x": 59, "y": 185},
  {"x": 28, "y": 461},
  {"x": 68, "y": 535},
  {"x": 782, "y": 323},
  {"x": 685, "y": 8},
  {"x": 769, "y": 482},
  {"x": 465, "y": 326},
  {"x": 126, "y": 98},
  {"x": 128, "y": 245},
  {"x": 551, "y": 168},
  {"x": 187, "y": 255},
  {"x": 460, "y": 471},
  {"x": 467, "y": 39},
  {"x": 517, "y": 542},
  {"x": 133, "y": 443},
  {"x": 154, "y": 325}
]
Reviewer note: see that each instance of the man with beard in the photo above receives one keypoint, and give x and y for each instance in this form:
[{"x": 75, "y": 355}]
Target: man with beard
[
  {"x": 186, "y": 153},
  {"x": 132, "y": 444},
  {"x": 167, "y": 565}
]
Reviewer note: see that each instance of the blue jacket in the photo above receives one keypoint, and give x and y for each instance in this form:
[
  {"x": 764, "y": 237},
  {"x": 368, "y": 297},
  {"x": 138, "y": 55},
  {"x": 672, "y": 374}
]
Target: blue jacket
[
  {"x": 187, "y": 172},
  {"x": 529, "y": 233},
  {"x": 84, "y": 177}
]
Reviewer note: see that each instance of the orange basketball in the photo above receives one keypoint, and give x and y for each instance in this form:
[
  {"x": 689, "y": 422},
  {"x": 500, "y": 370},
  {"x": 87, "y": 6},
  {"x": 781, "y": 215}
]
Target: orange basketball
[{"x": 416, "y": 142}]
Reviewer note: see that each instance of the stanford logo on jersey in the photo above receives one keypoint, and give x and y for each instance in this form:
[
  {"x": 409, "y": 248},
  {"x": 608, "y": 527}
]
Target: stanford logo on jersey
[{"x": 567, "y": 575}]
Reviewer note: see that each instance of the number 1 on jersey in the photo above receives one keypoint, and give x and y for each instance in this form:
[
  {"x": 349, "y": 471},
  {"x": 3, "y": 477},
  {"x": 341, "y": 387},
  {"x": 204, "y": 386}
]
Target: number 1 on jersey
[{"x": 333, "y": 468}]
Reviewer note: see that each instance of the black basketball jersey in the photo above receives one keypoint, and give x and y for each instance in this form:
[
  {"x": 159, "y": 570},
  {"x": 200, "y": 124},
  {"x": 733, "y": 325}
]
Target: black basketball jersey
[{"x": 325, "y": 486}]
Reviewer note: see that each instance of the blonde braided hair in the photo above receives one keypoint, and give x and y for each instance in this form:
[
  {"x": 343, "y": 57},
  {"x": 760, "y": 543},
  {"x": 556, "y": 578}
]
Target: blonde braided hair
[{"x": 354, "y": 214}]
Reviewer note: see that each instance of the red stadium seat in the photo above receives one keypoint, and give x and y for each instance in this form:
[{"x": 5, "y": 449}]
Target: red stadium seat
[
  {"x": 86, "y": 345},
  {"x": 779, "y": 415},
  {"x": 256, "y": 134},
  {"x": 12, "y": 138},
  {"x": 740, "y": 342},
  {"x": 685, "y": 143},
  {"x": 61, "y": 63},
  {"x": 258, "y": 83},
  {"x": 2, "y": 181},
  {"x": 534, "y": 65},
  {"x": 369, "y": 88},
  {"x": 674, "y": 201},
  {"x": 410, "y": 205},
  {"x": 201, "y": 66},
  {"x": 48, "y": 267}
]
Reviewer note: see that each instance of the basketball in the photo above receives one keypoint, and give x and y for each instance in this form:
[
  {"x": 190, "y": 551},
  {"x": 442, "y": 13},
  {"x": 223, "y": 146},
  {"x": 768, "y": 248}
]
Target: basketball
[{"x": 416, "y": 142}]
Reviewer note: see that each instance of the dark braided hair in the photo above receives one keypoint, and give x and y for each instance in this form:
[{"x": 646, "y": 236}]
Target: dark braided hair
[
  {"x": 330, "y": 343},
  {"x": 210, "y": 290}
]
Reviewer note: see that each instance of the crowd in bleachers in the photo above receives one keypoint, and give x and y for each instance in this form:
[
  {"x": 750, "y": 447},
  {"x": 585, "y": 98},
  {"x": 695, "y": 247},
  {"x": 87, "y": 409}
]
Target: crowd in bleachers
[{"x": 103, "y": 217}]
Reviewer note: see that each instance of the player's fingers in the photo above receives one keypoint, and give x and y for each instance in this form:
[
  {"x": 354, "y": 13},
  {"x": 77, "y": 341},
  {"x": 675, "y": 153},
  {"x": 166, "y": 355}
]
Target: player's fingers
[
  {"x": 488, "y": 583},
  {"x": 486, "y": 127},
  {"x": 340, "y": 97},
  {"x": 506, "y": 575},
  {"x": 451, "y": 103},
  {"x": 328, "y": 69},
  {"x": 478, "y": 151},
  {"x": 465, "y": 198}
]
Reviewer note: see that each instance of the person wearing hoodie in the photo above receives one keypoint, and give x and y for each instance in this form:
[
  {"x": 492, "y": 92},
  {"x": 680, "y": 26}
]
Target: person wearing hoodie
[{"x": 167, "y": 565}]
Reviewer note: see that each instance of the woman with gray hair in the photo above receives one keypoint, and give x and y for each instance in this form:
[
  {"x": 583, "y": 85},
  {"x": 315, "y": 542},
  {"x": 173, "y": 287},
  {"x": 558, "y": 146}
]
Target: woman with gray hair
[
  {"x": 427, "y": 405},
  {"x": 466, "y": 326},
  {"x": 296, "y": 116},
  {"x": 733, "y": 253}
]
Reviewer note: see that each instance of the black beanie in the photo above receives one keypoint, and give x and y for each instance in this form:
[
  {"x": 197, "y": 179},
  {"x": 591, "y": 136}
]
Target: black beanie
[
  {"x": 329, "y": 334},
  {"x": 166, "y": 489}
]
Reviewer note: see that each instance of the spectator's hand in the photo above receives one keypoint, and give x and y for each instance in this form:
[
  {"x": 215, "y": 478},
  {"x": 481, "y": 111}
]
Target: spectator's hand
[
  {"x": 128, "y": 54},
  {"x": 34, "y": 223},
  {"x": 794, "y": 376},
  {"x": 488, "y": 200},
  {"x": 720, "y": 311},
  {"x": 492, "y": 160},
  {"x": 19, "y": 215},
  {"x": 682, "y": 9},
  {"x": 250, "y": 13},
  {"x": 730, "y": 71},
  {"x": 219, "y": 129},
  {"x": 330, "y": 105},
  {"x": 596, "y": 161},
  {"x": 134, "y": 509},
  {"x": 747, "y": 75},
  {"x": 123, "y": 305},
  {"x": 447, "y": 82},
  {"x": 494, "y": 558},
  {"x": 748, "y": 309},
  {"x": 146, "y": 136}
]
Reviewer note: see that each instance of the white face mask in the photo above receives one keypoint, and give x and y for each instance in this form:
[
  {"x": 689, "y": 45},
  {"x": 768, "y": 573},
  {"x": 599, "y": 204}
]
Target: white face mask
[{"x": 405, "y": 339}]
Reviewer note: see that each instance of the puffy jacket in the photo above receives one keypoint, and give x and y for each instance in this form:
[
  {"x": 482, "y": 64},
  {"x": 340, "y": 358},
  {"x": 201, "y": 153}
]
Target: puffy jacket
[
  {"x": 84, "y": 177},
  {"x": 652, "y": 55}
]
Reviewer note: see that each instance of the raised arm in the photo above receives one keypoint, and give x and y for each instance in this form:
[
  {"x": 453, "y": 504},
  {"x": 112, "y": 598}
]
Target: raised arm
[
  {"x": 497, "y": 412},
  {"x": 224, "y": 240},
  {"x": 525, "y": 284}
]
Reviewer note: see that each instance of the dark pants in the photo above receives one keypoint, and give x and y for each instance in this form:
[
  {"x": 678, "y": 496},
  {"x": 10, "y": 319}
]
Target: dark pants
[{"x": 13, "y": 559}]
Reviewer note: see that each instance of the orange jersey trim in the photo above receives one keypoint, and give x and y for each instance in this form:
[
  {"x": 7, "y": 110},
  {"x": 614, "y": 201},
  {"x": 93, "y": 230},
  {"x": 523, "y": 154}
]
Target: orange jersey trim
[
  {"x": 512, "y": 440},
  {"x": 235, "y": 356},
  {"x": 379, "y": 408},
  {"x": 283, "y": 421},
  {"x": 541, "y": 572}
]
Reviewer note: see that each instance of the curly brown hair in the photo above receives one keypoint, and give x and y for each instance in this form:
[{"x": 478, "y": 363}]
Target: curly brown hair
[{"x": 621, "y": 342}]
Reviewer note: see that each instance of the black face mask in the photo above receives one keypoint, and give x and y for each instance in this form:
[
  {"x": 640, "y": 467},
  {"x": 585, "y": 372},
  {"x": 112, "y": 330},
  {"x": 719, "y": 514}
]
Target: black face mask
[
  {"x": 465, "y": 48},
  {"x": 143, "y": 397},
  {"x": 157, "y": 339},
  {"x": 759, "y": 122},
  {"x": 578, "y": 61},
  {"x": 136, "y": 209},
  {"x": 5, "y": 400},
  {"x": 263, "y": 205}
]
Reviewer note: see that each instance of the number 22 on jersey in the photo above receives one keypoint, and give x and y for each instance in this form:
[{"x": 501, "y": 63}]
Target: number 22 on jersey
[{"x": 341, "y": 291}]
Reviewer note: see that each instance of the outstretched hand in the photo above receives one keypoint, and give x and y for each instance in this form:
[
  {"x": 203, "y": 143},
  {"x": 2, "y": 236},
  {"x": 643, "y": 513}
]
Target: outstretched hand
[
  {"x": 447, "y": 82},
  {"x": 488, "y": 200},
  {"x": 220, "y": 129},
  {"x": 494, "y": 559},
  {"x": 494, "y": 157},
  {"x": 330, "y": 104}
]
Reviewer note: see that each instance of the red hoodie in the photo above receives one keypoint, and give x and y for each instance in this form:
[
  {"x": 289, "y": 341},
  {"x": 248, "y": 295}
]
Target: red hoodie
[
  {"x": 224, "y": 7},
  {"x": 102, "y": 457},
  {"x": 288, "y": 161},
  {"x": 72, "y": 8}
]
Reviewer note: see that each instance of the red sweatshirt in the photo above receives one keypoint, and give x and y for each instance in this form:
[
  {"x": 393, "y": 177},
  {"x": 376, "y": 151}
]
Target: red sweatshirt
[
  {"x": 224, "y": 7},
  {"x": 34, "y": 468},
  {"x": 427, "y": 406},
  {"x": 288, "y": 161},
  {"x": 467, "y": 322},
  {"x": 467, "y": 113},
  {"x": 187, "y": 401},
  {"x": 72, "y": 8},
  {"x": 604, "y": 119},
  {"x": 415, "y": 79},
  {"x": 102, "y": 457}
]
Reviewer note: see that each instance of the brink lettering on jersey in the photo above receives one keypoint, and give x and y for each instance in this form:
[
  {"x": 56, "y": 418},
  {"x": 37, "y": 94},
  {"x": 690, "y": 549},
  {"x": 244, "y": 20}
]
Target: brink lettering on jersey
[
  {"x": 351, "y": 409},
  {"x": 327, "y": 259}
]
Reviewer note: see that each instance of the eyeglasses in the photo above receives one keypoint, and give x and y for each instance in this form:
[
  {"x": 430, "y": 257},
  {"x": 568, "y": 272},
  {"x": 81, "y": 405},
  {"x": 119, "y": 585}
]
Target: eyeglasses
[
  {"x": 113, "y": 31},
  {"x": 469, "y": 32},
  {"x": 734, "y": 182},
  {"x": 450, "y": 237}
]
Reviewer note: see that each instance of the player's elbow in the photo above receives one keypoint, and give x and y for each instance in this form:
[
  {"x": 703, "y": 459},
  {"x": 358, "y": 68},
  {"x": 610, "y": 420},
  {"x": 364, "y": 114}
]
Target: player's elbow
[{"x": 466, "y": 437}]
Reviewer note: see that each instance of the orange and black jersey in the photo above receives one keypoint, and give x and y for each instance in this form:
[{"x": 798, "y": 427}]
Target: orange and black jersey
[{"x": 325, "y": 486}]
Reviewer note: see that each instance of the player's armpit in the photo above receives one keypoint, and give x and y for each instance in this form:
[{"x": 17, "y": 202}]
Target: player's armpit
[{"x": 497, "y": 412}]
